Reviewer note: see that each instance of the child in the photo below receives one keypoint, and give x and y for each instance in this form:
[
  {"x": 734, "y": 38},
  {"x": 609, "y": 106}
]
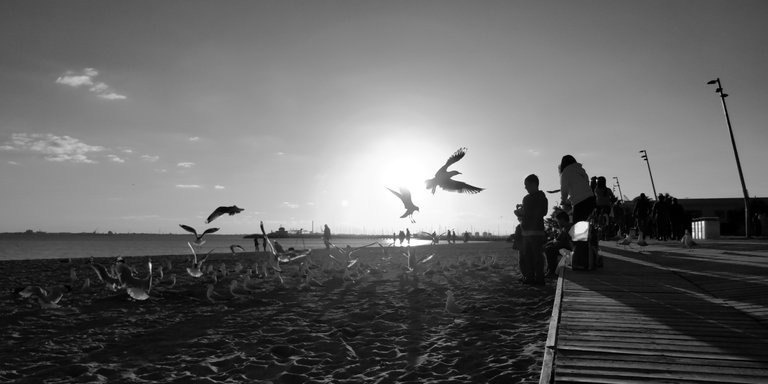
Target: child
[
  {"x": 563, "y": 240},
  {"x": 532, "y": 224}
]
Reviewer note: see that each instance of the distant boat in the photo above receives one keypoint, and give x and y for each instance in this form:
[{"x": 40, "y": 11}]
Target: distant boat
[{"x": 281, "y": 233}]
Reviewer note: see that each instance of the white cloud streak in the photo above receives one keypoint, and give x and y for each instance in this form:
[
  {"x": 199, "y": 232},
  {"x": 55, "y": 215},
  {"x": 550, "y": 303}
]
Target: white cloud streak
[
  {"x": 149, "y": 158},
  {"x": 188, "y": 186},
  {"x": 290, "y": 205},
  {"x": 218, "y": 187},
  {"x": 115, "y": 159},
  {"x": 85, "y": 78},
  {"x": 185, "y": 164},
  {"x": 52, "y": 147},
  {"x": 194, "y": 138}
]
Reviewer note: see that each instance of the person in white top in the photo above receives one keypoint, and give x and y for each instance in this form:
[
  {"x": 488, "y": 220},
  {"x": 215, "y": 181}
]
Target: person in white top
[{"x": 575, "y": 192}]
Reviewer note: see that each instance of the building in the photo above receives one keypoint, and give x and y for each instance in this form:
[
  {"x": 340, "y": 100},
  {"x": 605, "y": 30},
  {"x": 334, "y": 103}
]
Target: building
[{"x": 730, "y": 211}]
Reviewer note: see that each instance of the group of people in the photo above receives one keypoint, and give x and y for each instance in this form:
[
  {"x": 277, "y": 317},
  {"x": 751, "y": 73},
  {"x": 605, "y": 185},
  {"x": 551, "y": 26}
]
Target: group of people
[{"x": 576, "y": 196}]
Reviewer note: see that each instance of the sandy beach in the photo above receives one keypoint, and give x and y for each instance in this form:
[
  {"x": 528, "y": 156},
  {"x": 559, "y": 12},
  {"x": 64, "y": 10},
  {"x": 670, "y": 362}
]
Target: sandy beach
[{"x": 378, "y": 322}]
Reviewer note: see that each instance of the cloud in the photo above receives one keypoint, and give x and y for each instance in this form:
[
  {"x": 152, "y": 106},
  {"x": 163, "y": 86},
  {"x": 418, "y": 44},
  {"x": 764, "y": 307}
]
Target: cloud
[
  {"x": 534, "y": 152},
  {"x": 188, "y": 186},
  {"x": 290, "y": 205},
  {"x": 185, "y": 164},
  {"x": 52, "y": 147},
  {"x": 194, "y": 138},
  {"x": 11, "y": 162},
  {"x": 85, "y": 78},
  {"x": 127, "y": 150},
  {"x": 218, "y": 187},
  {"x": 115, "y": 158},
  {"x": 149, "y": 158}
]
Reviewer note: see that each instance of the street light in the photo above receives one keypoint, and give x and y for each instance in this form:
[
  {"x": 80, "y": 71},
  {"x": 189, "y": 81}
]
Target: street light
[
  {"x": 621, "y": 196},
  {"x": 735, "y": 153},
  {"x": 645, "y": 157}
]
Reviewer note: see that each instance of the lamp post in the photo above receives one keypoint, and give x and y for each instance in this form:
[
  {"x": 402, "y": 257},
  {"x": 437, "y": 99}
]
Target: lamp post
[
  {"x": 645, "y": 157},
  {"x": 735, "y": 153},
  {"x": 621, "y": 196}
]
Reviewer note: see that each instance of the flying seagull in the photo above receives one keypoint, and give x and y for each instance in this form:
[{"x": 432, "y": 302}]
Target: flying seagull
[
  {"x": 198, "y": 238},
  {"x": 443, "y": 178},
  {"x": 136, "y": 288},
  {"x": 405, "y": 197},
  {"x": 231, "y": 210},
  {"x": 197, "y": 266}
]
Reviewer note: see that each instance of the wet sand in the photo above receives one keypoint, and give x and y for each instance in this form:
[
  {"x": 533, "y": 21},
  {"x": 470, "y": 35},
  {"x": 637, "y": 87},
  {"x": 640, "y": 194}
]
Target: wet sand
[{"x": 380, "y": 323}]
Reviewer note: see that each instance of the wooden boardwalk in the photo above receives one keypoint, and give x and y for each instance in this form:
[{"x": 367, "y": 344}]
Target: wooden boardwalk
[{"x": 661, "y": 315}]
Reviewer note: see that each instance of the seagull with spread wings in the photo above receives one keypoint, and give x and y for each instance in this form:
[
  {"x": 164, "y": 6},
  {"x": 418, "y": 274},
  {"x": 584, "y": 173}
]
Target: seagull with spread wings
[
  {"x": 443, "y": 177},
  {"x": 231, "y": 210},
  {"x": 198, "y": 238},
  {"x": 405, "y": 197}
]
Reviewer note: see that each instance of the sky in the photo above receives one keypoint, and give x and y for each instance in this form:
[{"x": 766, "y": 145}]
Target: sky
[{"x": 138, "y": 116}]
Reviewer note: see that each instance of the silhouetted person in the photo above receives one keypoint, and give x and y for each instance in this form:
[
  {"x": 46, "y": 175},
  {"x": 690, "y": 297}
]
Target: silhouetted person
[
  {"x": 661, "y": 215},
  {"x": 575, "y": 191},
  {"x": 641, "y": 212},
  {"x": 401, "y": 237},
  {"x": 677, "y": 219},
  {"x": 408, "y": 236},
  {"x": 453, "y": 236},
  {"x": 534, "y": 209},
  {"x": 327, "y": 236}
]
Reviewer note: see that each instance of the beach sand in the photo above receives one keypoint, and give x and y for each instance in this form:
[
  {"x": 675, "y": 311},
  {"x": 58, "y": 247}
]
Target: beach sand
[{"x": 384, "y": 324}]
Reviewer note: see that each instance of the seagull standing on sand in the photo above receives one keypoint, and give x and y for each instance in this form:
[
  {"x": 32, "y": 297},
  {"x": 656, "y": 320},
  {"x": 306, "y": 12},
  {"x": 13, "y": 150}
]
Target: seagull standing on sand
[
  {"x": 47, "y": 298},
  {"x": 687, "y": 240},
  {"x": 198, "y": 238},
  {"x": 231, "y": 210},
  {"x": 405, "y": 197},
  {"x": 443, "y": 178},
  {"x": 450, "y": 304}
]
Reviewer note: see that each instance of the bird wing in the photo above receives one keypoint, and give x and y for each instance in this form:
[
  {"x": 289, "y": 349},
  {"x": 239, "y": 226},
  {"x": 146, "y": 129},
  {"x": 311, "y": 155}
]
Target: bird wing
[
  {"x": 102, "y": 273},
  {"x": 460, "y": 187},
  {"x": 124, "y": 273},
  {"x": 399, "y": 196},
  {"x": 405, "y": 195},
  {"x": 458, "y": 155},
  {"x": 216, "y": 213},
  {"x": 188, "y": 229},
  {"x": 210, "y": 230}
]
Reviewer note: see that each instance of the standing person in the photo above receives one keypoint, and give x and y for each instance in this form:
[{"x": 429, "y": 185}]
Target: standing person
[
  {"x": 401, "y": 237},
  {"x": 661, "y": 216},
  {"x": 677, "y": 218},
  {"x": 532, "y": 224},
  {"x": 408, "y": 236},
  {"x": 641, "y": 212},
  {"x": 327, "y": 237},
  {"x": 453, "y": 236},
  {"x": 575, "y": 192}
]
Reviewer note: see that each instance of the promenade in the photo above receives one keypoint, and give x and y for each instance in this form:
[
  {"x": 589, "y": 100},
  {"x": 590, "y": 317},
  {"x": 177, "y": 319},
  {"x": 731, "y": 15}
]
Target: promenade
[{"x": 663, "y": 313}]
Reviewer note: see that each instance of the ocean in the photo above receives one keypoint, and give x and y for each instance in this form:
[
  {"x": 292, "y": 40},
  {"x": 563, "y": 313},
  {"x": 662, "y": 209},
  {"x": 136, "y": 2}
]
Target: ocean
[{"x": 63, "y": 246}]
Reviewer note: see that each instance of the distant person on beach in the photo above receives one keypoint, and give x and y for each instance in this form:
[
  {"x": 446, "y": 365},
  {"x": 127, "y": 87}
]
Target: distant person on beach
[
  {"x": 401, "y": 237},
  {"x": 264, "y": 243},
  {"x": 435, "y": 239},
  {"x": 394, "y": 238},
  {"x": 408, "y": 236},
  {"x": 575, "y": 193},
  {"x": 327, "y": 236},
  {"x": 532, "y": 224},
  {"x": 453, "y": 236},
  {"x": 466, "y": 237},
  {"x": 661, "y": 215},
  {"x": 562, "y": 241}
]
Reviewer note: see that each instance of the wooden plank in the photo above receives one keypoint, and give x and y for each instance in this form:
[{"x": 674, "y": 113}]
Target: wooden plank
[{"x": 547, "y": 365}]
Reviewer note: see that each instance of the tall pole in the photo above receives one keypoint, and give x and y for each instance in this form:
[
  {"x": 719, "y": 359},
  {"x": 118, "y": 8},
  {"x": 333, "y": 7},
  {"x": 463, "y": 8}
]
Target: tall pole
[
  {"x": 648, "y": 163},
  {"x": 735, "y": 153},
  {"x": 621, "y": 196}
]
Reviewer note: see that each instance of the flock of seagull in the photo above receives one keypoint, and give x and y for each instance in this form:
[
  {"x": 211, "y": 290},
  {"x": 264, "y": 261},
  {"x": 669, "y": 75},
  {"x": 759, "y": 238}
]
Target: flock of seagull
[
  {"x": 443, "y": 179},
  {"x": 121, "y": 276}
]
